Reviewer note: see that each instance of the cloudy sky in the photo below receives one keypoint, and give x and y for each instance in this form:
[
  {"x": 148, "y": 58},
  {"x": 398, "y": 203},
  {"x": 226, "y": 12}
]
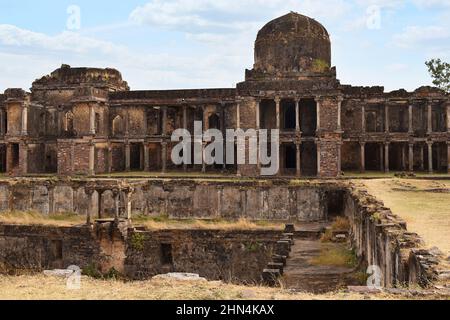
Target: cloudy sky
[{"x": 168, "y": 44}]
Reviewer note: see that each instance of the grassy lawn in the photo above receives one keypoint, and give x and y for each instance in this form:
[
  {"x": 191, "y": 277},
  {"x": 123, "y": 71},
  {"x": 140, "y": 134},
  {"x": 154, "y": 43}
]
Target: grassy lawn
[
  {"x": 40, "y": 287},
  {"x": 424, "y": 204},
  {"x": 34, "y": 218}
]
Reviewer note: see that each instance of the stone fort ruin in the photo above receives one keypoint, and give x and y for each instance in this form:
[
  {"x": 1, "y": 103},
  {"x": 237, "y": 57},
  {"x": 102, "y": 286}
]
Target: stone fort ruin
[
  {"x": 80, "y": 122},
  {"x": 87, "y": 121}
]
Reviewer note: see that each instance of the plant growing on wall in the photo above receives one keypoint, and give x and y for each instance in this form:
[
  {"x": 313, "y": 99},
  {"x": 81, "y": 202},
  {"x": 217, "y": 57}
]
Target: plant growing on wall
[
  {"x": 138, "y": 241},
  {"x": 440, "y": 72}
]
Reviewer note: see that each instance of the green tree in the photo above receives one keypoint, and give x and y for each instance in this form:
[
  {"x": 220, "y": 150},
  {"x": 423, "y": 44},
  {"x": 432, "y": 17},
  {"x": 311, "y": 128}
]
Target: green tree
[{"x": 440, "y": 72}]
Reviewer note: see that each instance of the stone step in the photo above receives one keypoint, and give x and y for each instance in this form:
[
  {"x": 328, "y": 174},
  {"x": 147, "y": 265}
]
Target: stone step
[
  {"x": 276, "y": 265},
  {"x": 271, "y": 276},
  {"x": 290, "y": 228},
  {"x": 279, "y": 259},
  {"x": 283, "y": 248}
]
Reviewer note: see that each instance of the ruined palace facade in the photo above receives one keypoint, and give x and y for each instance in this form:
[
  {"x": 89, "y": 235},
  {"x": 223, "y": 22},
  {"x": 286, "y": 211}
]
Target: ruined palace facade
[{"x": 87, "y": 121}]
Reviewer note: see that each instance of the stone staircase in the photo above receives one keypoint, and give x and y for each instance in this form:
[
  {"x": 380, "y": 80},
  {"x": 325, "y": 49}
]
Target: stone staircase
[{"x": 291, "y": 266}]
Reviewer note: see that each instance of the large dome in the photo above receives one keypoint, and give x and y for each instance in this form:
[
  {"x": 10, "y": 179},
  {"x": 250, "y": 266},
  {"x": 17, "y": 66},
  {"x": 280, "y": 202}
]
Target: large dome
[{"x": 292, "y": 43}]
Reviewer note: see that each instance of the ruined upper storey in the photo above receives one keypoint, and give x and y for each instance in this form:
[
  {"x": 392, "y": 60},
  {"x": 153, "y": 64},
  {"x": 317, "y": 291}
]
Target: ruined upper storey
[
  {"x": 292, "y": 45},
  {"x": 68, "y": 77}
]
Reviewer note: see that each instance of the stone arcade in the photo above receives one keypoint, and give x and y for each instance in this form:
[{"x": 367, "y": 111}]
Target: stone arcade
[{"x": 87, "y": 121}]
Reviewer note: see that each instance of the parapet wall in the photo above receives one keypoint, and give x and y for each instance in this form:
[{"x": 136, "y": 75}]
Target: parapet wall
[
  {"x": 381, "y": 239},
  {"x": 254, "y": 200},
  {"x": 215, "y": 254}
]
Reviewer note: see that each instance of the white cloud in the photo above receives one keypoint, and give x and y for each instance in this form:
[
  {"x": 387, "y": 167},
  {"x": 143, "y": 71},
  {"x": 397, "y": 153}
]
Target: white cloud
[
  {"x": 226, "y": 15},
  {"x": 419, "y": 36},
  {"x": 432, "y": 3}
]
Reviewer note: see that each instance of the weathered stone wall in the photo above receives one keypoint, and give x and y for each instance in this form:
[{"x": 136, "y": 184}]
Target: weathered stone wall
[
  {"x": 381, "y": 239},
  {"x": 177, "y": 199},
  {"x": 214, "y": 254},
  {"x": 35, "y": 248}
]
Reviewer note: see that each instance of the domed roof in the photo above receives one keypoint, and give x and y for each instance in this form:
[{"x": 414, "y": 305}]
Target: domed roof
[{"x": 292, "y": 43}]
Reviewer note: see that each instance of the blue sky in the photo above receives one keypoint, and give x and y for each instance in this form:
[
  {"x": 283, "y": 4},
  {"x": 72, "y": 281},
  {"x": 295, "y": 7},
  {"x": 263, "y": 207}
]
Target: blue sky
[{"x": 167, "y": 44}]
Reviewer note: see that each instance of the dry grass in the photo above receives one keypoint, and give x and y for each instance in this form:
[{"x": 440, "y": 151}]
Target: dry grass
[
  {"x": 160, "y": 223},
  {"x": 151, "y": 223},
  {"x": 335, "y": 256},
  {"x": 426, "y": 211},
  {"x": 33, "y": 218},
  {"x": 40, "y": 287}
]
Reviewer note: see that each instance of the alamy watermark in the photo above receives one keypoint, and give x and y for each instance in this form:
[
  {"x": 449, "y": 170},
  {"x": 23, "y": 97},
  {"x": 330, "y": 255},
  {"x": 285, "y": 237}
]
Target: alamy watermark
[
  {"x": 74, "y": 19},
  {"x": 208, "y": 148}
]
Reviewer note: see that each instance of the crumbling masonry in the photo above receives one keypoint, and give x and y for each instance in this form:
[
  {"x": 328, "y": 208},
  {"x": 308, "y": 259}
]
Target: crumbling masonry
[{"x": 87, "y": 121}]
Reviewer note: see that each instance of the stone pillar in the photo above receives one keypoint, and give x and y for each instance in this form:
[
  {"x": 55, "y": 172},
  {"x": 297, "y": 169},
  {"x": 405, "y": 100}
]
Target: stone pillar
[
  {"x": 91, "y": 119},
  {"x": 51, "y": 199},
  {"x": 448, "y": 117},
  {"x": 2, "y": 121},
  {"x": 164, "y": 156},
  {"x": 298, "y": 160},
  {"x": 363, "y": 157},
  {"x": 339, "y": 116},
  {"x": 318, "y": 112},
  {"x": 25, "y": 120},
  {"x": 100, "y": 204},
  {"x": 258, "y": 113},
  {"x": 116, "y": 197},
  {"x": 164, "y": 121},
  {"x": 185, "y": 126},
  {"x": 410, "y": 118},
  {"x": 429, "y": 118},
  {"x": 128, "y": 194},
  {"x": 110, "y": 158},
  {"x": 23, "y": 158},
  {"x": 411, "y": 157},
  {"x": 319, "y": 169},
  {"x": 127, "y": 156},
  {"x": 277, "y": 103},
  {"x": 386, "y": 157},
  {"x": 146, "y": 157},
  {"x": 430, "y": 157},
  {"x": 203, "y": 157},
  {"x": 297, "y": 115},
  {"x": 238, "y": 115},
  {"x": 92, "y": 159},
  {"x": 89, "y": 192},
  {"x": 448, "y": 156},
  {"x": 422, "y": 159},
  {"x": 363, "y": 118},
  {"x": 381, "y": 158},
  {"x": 339, "y": 159},
  {"x": 403, "y": 157},
  {"x": 386, "y": 118}
]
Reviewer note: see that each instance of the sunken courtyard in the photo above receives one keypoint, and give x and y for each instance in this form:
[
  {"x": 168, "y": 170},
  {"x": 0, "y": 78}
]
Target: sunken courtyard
[{"x": 80, "y": 142}]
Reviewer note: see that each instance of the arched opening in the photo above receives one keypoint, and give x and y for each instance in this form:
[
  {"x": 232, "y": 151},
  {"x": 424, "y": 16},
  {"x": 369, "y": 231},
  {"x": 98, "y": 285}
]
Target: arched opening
[
  {"x": 268, "y": 116},
  {"x": 214, "y": 122},
  {"x": 308, "y": 117},
  {"x": 154, "y": 122},
  {"x": 309, "y": 159},
  {"x": 117, "y": 126},
  {"x": 373, "y": 156},
  {"x": 288, "y": 114},
  {"x": 136, "y": 157},
  {"x": 290, "y": 159}
]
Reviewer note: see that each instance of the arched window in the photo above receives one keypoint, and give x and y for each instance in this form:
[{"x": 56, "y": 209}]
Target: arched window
[{"x": 117, "y": 126}]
